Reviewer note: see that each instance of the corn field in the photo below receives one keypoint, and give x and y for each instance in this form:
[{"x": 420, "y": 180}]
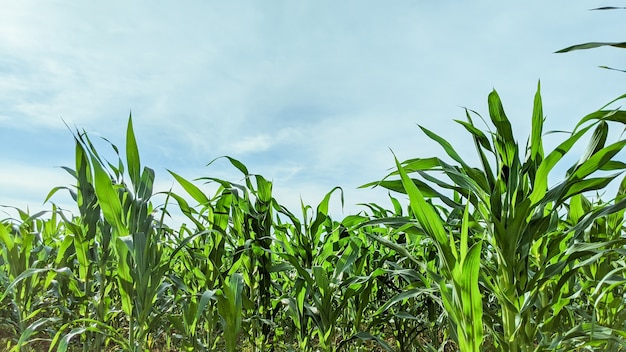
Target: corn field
[{"x": 487, "y": 257}]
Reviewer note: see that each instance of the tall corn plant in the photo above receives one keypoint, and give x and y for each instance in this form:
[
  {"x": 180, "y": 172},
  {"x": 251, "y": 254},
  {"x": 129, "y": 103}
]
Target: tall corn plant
[
  {"x": 117, "y": 231},
  {"x": 89, "y": 245},
  {"x": 508, "y": 203},
  {"x": 251, "y": 212}
]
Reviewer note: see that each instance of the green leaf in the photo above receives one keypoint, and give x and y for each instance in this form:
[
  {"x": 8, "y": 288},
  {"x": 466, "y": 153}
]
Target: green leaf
[
  {"x": 592, "y": 45},
  {"x": 540, "y": 185},
  {"x": 396, "y": 247},
  {"x": 365, "y": 336},
  {"x": 590, "y": 184},
  {"x": 132, "y": 154},
  {"x": 236, "y": 163},
  {"x": 34, "y": 327},
  {"x": 25, "y": 275},
  {"x": 445, "y": 144},
  {"x": 597, "y": 160},
  {"x": 608, "y": 8},
  {"x": 482, "y": 144},
  {"x": 499, "y": 119},
  {"x": 65, "y": 341},
  {"x": 598, "y": 139},
  {"x": 612, "y": 68},
  {"x": 605, "y": 115},
  {"x": 108, "y": 199},
  {"x": 427, "y": 216},
  {"x": 191, "y": 189},
  {"x": 471, "y": 294},
  {"x": 404, "y": 295},
  {"x": 536, "y": 145},
  {"x": 144, "y": 190},
  {"x": 6, "y": 238},
  {"x": 483, "y": 141},
  {"x": 322, "y": 210},
  {"x": 204, "y": 300}
]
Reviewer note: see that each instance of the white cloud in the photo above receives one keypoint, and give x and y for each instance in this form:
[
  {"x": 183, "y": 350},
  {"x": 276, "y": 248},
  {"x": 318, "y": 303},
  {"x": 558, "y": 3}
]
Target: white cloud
[
  {"x": 26, "y": 186},
  {"x": 311, "y": 91},
  {"x": 258, "y": 143}
]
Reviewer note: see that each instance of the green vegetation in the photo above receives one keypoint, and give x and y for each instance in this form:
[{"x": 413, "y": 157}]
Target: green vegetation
[
  {"x": 593, "y": 45},
  {"x": 492, "y": 257}
]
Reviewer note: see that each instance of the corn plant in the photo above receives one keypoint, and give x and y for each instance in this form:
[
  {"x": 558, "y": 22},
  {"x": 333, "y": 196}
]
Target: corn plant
[
  {"x": 333, "y": 283},
  {"x": 195, "y": 280},
  {"x": 509, "y": 205},
  {"x": 237, "y": 223},
  {"x": 251, "y": 213},
  {"x": 27, "y": 252},
  {"x": 202, "y": 267},
  {"x": 89, "y": 245},
  {"x": 602, "y": 280},
  {"x": 116, "y": 231},
  {"x": 407, "y": 299},
  {"x": 230, "y": 308}
]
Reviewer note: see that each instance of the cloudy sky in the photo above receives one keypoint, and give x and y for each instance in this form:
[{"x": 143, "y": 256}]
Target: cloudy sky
[{"x": 310, "y": 94}]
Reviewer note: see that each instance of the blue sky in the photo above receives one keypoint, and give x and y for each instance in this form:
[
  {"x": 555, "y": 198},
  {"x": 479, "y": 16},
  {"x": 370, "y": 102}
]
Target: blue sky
[{"x": 310, "y": 94}]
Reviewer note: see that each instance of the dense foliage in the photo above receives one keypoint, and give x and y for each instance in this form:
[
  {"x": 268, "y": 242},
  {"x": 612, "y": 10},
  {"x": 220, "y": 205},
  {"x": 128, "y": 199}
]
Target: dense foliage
[{"x": 488, "y": 257}]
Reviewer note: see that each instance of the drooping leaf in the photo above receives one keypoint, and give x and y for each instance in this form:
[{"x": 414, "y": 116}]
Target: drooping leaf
[
  {"x": 598, "y": 159},
  {"x": 427, "y": 217},
  {"x": 592, "y": 45},
  {"x": 191, "y": 189}
]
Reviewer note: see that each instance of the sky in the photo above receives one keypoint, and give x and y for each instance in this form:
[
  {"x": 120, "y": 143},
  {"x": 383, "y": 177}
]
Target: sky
[{"x": 309, "y": 94}]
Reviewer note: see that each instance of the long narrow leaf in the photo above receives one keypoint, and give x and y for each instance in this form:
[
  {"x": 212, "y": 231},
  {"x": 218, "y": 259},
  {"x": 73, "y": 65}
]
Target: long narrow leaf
[{"x": 132, "y": 153}]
